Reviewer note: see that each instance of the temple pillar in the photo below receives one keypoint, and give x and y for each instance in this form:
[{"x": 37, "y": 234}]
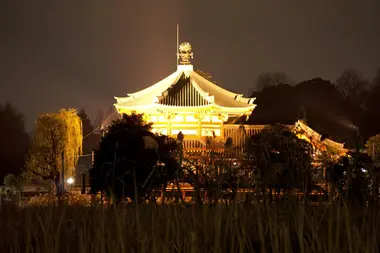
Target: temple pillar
[
  {"x": 221, "y": 130},
  {"x": 169, "y": 127},
  {"x": 222, "y": 119},
  {"x": 199, "y": 128},
  {"x": 169, "y": 124}
]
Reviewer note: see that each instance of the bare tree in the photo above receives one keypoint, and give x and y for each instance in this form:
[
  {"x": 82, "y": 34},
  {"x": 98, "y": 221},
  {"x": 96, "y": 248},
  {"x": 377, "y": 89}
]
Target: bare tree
[
  {"x": 376, "y": 80},
  {"x": 352, "y": 85},
  {"x": 268, "y": 79},
  {"x": 99, "y": 118}
]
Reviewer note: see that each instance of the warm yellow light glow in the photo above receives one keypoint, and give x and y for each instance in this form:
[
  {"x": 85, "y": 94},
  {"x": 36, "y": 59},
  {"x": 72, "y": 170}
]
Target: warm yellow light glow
[
  {"x": 160, "y": 131},
  {"x": 177, "y": 118},
  {"x": 206, "y": 118},
  {"x": 70, "y": 180},
  {"x": 215, "y": 119},
  {"x": 206, "y": 109},
  {"x": 184, "y": 131},
  {"x": 205, "y": 125},
  {"x": 153, "y": 118},
  {"x": 190, "y": 118},
  {"x": 210, "y": 132},
  {"x": 194, "y": 122},
  {"x": 184, "y": 125}
]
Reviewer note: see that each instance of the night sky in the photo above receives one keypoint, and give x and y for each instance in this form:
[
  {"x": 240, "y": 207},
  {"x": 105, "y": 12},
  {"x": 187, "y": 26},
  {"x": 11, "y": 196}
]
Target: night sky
[{"x": 82, "y": 53}]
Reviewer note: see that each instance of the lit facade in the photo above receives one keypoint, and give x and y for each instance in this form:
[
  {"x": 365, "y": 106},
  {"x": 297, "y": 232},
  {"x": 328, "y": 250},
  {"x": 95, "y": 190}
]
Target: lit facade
[{"x": 189, "y": 103}]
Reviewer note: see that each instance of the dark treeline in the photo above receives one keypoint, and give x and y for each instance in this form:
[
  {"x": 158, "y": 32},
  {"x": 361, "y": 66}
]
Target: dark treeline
[
  {"x": 91, "y": 138},
  {"x": 334, "y": 109},
  {"x": 14, "y": 141}
]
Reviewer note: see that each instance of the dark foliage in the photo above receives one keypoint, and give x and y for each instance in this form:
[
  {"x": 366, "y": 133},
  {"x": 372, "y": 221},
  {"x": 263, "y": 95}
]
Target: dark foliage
[
  {"x": 317, "y": 102},
  {"x": 280, "y": 160},
  {"x": 15, "y": 141},
  {"x": 352, "y": 86},
  {"x": 276, "y": 104},
  {"x": 335, "y": 174},
  {"x": 91, "y": 138},
  {"x": 372, "y": 115},
  {"x": 131, "y": 157},
  {"x": 356, "y": 175},
  {"x": 268, "y": 79},
  {"x": 328, "y": 111},
  {"x": 211, "y": 176}
]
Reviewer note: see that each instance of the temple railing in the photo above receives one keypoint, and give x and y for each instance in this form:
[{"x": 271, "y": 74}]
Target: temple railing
[
  {"x": 192, "y": 144},
  {"x": 239, "y": 133}
]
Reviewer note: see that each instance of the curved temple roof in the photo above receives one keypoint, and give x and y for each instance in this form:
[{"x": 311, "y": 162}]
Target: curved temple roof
[
  {"x": 186, "y": 89},
  {"x": 311, "y": 134}
]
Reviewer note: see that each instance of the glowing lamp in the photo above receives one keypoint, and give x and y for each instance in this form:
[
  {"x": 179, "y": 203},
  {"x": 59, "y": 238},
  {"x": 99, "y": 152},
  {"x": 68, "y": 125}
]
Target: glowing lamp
[{"x": 70, "y": 180}]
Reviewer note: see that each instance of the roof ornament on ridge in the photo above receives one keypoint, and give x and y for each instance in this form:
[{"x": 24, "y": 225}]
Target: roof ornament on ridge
[{"x": 185, "y": 53}]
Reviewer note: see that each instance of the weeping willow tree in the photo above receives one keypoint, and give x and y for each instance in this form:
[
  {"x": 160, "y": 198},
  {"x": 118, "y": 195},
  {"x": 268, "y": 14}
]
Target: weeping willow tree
[{"x": 56, "y": 136}]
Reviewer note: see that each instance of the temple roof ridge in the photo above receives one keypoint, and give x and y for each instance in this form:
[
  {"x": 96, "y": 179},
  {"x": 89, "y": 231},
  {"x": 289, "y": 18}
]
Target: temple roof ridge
[
  {"x": 203, "y": 93},
  {"x": 166, "y": 82},
  {"x": 232, "y": 95},
  {"x": 207, "y": 90},
  {"x": 317, "y": 136},
  {"x": 185, "y": 88}
]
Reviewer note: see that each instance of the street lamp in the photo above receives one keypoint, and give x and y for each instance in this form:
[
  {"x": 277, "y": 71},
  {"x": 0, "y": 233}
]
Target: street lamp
[{"x": 70, "y": 180}]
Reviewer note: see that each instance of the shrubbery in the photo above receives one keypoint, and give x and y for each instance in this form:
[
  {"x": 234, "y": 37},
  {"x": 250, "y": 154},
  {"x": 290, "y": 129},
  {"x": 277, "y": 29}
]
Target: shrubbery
[{"x": 69, "y": 198}]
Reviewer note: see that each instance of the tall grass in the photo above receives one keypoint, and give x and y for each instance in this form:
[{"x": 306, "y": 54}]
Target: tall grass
[{"x": 283, "y": 227}]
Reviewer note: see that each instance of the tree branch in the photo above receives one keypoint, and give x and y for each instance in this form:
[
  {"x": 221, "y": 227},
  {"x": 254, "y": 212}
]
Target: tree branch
[{"x": 43, "y": 176}]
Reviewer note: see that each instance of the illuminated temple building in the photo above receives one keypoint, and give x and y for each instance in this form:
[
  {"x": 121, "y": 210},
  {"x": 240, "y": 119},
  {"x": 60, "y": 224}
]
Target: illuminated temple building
[{"x": 204, "y": 112}]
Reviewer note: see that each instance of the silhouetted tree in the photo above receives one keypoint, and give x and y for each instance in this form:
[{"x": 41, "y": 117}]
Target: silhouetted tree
[
  {"x": 14, "y": 141},
  {"x": 268, "y": 79},
  {"x": 326, "y": 109},
  {"x": 352, "y": 86},
  {"x": 335, "y": 175},
  {"x": 210, "y": 176},
  {"x": 86, "y": 123},
  {"x": 371, "y": 124},
  {"x": 376, "y": 80},
  {"x": 356, "y": 175},
  {"x": 131, "y": 158},
  {"x": 280, "y": 159},
  {"x": 109, "y": 117},
  {"x": 99, "y": 118},
  {"x": 91, "y": 137},
  {"x": 275, "y": 104}
]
